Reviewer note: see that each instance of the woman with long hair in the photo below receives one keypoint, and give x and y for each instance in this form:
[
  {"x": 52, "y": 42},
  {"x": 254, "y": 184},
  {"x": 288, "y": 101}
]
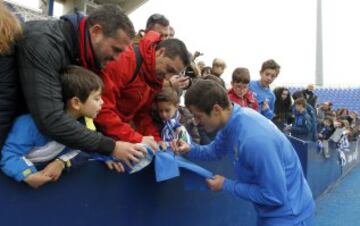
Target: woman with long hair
[
  {"x": 283, "y": 102},
  {"x": 11, "y": 31}
]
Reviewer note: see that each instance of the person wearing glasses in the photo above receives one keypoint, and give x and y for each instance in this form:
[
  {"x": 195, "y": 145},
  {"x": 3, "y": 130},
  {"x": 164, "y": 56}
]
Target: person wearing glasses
[
  {"x": 129, "y": 91},
  {"x": 240, "y": 93}
]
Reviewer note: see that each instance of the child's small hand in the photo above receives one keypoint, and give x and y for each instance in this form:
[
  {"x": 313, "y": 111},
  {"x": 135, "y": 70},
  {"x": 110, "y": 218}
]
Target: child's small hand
[
  {"x": 115, "y": 165},
  {"x": 163, "y": 145},
  {"x": 265, "y": 106},
  {"x": 54, "y": 170},
  {"x": 216, "y": 183},
  {"x": 37, "y": 179},
  {"x": 287, "y": 128}
]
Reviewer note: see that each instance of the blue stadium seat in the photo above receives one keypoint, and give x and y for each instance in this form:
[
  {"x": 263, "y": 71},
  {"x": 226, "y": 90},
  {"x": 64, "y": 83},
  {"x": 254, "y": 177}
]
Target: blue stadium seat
[{"x": 340, "y": 97}]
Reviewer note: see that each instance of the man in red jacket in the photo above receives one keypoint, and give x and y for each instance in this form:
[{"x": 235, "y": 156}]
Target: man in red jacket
[
  {"x": 240, "y": 93},
  {"x": 128, "y": 96}
]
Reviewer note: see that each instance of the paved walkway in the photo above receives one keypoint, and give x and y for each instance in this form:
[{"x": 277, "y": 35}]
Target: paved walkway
[{"x": 341, "y": 206}]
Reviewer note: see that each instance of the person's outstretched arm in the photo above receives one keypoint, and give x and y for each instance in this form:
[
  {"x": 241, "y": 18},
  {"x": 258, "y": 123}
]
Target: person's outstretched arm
[
  {"x": 20, "y": 141},
  {"x": 40, "y": 60}
]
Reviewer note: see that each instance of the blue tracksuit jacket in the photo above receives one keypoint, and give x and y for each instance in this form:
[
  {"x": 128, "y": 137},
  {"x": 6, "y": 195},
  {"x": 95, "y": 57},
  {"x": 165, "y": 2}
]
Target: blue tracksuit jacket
[
  {"x": 23, "y": 138},
  {"x": 263, "y": 93},
  {"x": 302, "y": 127},
  {"x": 268, "y": 170}
]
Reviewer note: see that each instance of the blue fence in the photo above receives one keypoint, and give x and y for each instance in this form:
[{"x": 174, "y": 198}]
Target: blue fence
[
  {"x": 94, "y": 196},
  {"x": 321, "y": 171}
]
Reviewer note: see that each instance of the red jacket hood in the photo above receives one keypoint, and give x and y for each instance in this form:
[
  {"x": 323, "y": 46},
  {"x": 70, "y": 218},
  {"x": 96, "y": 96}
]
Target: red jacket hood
[
  {"x": 147, "y": 46},
  {"x": 127, "y": 102}
]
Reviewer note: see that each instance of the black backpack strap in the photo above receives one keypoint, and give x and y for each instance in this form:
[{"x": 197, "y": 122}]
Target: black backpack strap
[{"x": 139, "y": 60}]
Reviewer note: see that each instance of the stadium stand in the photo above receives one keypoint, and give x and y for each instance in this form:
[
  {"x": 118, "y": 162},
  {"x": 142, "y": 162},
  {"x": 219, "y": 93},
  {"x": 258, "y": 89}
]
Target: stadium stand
[
  {"x": 26, "y": 13},
  {"x": 340, "y": 97}
]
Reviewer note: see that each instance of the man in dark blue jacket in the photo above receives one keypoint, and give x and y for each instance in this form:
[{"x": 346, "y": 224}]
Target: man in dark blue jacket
[
  {"x": 50, "y": 45},
  {"x": 268, "y": 170}
]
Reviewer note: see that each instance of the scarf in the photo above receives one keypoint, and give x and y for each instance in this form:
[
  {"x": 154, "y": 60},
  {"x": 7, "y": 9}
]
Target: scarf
[
  {"x": 86, "y": 51},
  {"x": 168, "y": 132}
]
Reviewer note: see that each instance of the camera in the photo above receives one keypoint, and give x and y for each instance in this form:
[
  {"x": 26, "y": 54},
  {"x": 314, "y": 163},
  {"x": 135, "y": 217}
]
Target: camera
[{"x": 189, "y": 72}]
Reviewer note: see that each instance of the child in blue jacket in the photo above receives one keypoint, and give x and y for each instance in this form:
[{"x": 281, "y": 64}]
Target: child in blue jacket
[
  {"x": 261, "y": 88},
  {"x": 269, "y": 173},
  {"x": 302, "y": 126},
  {"x": 26, "y": 147},
  {"x": 327, "y": 129}
]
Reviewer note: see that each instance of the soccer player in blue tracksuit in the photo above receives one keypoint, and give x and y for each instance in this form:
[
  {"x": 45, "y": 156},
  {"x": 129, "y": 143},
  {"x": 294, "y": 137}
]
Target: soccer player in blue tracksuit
[{"x": 268, "y": 170}]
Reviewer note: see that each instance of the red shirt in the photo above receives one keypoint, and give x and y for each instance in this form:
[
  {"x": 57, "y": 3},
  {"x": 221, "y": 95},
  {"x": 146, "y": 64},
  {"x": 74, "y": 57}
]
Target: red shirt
[
  {"x": 128, "y": 103},
  {"x": 248, "y": 100}
]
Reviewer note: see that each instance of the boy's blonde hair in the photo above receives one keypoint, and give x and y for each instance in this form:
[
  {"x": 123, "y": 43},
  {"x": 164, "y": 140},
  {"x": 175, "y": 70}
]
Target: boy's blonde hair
[{"x": 219, "y": 62}]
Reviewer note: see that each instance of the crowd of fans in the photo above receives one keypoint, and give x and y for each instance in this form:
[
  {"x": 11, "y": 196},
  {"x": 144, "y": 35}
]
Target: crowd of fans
[
  {"x": 317, "y": 122},
  {"x": 297, "y": 114},
  {"x": 125, "y": 93},
  {"x": 148, "y": 77}
]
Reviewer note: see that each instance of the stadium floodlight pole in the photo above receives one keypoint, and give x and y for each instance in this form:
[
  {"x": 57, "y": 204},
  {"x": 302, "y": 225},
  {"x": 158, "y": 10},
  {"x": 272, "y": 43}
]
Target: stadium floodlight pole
[
  {"x": 319, "y": 75},
  {"x": 50, "y": 7}
]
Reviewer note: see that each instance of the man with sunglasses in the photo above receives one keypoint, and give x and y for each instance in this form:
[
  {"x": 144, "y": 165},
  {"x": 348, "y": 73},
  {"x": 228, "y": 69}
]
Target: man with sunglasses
[{"x": 129, "y": 91}]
